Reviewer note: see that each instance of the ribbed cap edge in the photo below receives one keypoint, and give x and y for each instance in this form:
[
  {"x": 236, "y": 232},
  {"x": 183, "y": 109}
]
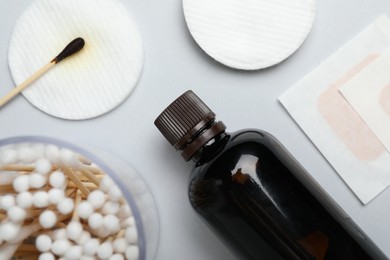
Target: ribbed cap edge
[{"x": 182, "y": 118}]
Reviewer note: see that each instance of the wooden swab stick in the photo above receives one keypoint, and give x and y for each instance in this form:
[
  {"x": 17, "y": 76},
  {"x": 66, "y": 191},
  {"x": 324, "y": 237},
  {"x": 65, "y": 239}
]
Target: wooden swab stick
[
  {"x": 8, "y": 250},
  {"x": 89, "y": 185},
  {"x": 17, "y": 168},
  {"x": 33, "y": 213},
  {"x": 91, "y": 177},
  {"x": 84, "y": 160},
  {"x": 32, "y": 228},
  {"x": 77, "y": 200},
  {"x": 93, "y": 169},
  {"x": 61, "y": 225},
  {"x": 120, "y": 234},
  {"x": 73, "y": 47},
  {"x": 7, "y": 179},
  {"x": 73, "y": 177},
  {"x": 27, "y": 248},
  {"x": 23, "y": 254},
  {"x": 4, "y": 189},
  {"x": 69, "y": 192},
  {"x": 96, "y": 177},
  {"x": 2, "y": 216},
  {"x": 26, "y": 256}
]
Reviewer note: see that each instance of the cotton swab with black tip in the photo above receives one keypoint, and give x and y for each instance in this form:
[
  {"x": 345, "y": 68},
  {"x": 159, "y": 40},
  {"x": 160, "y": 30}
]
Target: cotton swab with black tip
[{"x": 73, "y": 47}]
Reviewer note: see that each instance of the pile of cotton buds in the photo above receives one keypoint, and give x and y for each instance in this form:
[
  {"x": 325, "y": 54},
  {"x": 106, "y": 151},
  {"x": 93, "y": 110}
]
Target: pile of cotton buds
[{"x": 56, "y": 204}]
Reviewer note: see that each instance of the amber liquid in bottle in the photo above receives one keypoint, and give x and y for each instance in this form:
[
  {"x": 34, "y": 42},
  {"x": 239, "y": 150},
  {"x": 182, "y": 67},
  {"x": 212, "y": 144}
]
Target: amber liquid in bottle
[
  {"x": 242, "y": 184},
  {"x": 254, "y": 194}
]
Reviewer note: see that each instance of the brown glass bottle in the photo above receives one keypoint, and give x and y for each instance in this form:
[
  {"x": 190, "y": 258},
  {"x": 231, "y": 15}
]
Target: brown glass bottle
[{"x": 254, "y": 194}]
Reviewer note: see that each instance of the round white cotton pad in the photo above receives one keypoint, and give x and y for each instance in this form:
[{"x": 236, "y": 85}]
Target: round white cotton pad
[
  {"x": 249, "y": 34},
  {"x": 93, "y": 81}
]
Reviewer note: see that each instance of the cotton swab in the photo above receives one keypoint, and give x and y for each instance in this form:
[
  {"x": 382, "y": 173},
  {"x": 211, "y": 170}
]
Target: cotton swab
[
  {"x": 84, "y": 209},
  {"x": 116, "y": 257},
  {"x": 128, "y": 222},
  {"x": 9, "y": 230},
  {"x": 25, "y": 232},
  {"x": 124, "y": 211},
  {"x": 52, "y": 153},
  {"x": 105, "y": 250},
  {"x": 83, "y": 238},
  {"x": 68, "y": 158},
  {"x": 59, "y": 234},
  {"x": 95, "y": 221},
  {"x": 115, "y": 194},
  {"x": 90, "y": 247},
  {"x": 8, "y": 156},
  {"x": 43, "y": 166},
  {"x": 24, "y": 199},
  {"x": 111, "y": 223},
  {"x": 36, "y": 180},
  {"x": 105, "y": 184},
  {"x": 51, "y": 205},
  {"x": 110, "y": 207},
  {"x": 119, "y": 245},
  {"x": 48, "y": 219},
  {"x": 43, "y": 243},
  {"x": 25, "y": 154},
  {"x": 56, "y": 195},
  {"x": 46, "y": 256},
  {"x": 7, "y": 201},
  {"x": 131, "y": 235},
  {"x": 40, "y": 199},
  {"x": 73, "y": 47},
  {"x": 74, "y": 252},
  {"x": 60, "y": 246},
  {"x": 16, "y": 214},
  {"x": 21, "y": 183},
  {"x": 74, "y": 230},
  {"x": 7, "y": 179},
  {"x": 65, "y": 206},
  {"x": 132, "y": 252},
  {"x": 96, "y": 198},
  {"x": 7, "y": 251},
  {"x": 57, "y": 179}
]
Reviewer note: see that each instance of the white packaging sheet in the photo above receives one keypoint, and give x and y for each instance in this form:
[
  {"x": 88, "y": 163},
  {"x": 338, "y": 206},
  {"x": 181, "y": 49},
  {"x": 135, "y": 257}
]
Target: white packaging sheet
[{"x": 332, "y": 124}]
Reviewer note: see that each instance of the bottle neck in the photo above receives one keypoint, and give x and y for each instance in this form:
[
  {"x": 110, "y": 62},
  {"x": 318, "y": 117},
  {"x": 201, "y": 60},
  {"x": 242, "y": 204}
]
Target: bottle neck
[
  {"x": 210, "y": 149},
  {"x": 202, "y": 139}
]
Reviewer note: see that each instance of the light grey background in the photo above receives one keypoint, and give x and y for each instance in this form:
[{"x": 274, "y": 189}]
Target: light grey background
[{"x": 173, "y": 64}]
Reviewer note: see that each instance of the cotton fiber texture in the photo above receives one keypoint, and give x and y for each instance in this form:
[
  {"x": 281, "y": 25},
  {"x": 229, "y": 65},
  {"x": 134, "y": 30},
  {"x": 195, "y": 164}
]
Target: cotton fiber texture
[
  {"x": 90, "y": 83},
  {"x": 249, "y": 34}
]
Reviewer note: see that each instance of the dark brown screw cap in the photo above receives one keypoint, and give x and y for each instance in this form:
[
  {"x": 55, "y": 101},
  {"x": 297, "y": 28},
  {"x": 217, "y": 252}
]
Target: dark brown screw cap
[{"x": 183, "y": 120}]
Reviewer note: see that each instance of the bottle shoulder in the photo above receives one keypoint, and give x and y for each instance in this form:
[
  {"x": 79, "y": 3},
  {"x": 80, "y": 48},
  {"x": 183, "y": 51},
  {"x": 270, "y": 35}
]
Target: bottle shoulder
[
  {"x": 250, "y": 135},
  {"x": 239, "y": 143}
]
